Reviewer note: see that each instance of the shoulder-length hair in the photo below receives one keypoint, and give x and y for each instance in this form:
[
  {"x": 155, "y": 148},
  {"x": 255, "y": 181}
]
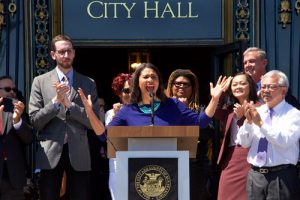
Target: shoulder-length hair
[
  {"x": 252, "y": 90},
  {"x": 194, "y": 103},
  {"x": 135, "y": 89}
]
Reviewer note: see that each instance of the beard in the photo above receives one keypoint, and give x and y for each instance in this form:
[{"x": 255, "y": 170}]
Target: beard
[{"x": 66, "y": 64}]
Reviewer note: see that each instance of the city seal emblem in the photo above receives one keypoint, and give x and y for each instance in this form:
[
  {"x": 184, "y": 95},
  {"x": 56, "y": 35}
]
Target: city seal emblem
[{"x": 152, "y": 182}]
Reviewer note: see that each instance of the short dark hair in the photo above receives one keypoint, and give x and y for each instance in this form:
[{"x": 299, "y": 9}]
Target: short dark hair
[
  {"x": 6, "y": 77},
  {"x": 60, "y": 38}
]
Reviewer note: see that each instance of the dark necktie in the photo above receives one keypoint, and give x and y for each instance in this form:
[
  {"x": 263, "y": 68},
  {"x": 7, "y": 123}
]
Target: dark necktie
[
  {"x": 66, "y": 81},
  {"x": 263, "y": 143},
  {"x": 1, "y": 125}
]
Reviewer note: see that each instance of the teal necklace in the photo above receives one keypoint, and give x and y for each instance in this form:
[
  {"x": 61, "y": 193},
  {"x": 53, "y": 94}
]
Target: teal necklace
[{"x": 146, "y": 108}]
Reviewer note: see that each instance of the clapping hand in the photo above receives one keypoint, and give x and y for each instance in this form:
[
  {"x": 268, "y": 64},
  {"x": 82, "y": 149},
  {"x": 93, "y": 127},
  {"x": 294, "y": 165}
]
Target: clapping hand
[
  {"x": 117, "y": 107},
  {"x": 238, "y": 110},
  {"x": 62, "y": 89},
  {"x": 18, "y": 111},
  {"x": 251, "y": 114}
]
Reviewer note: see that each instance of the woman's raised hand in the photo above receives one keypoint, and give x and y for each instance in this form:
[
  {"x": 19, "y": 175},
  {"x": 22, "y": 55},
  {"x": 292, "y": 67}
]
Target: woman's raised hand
[
  {"x": 96, "y": 123},
  {"x": 87, "y": 101},
  {"x": 221, "y": 86}
]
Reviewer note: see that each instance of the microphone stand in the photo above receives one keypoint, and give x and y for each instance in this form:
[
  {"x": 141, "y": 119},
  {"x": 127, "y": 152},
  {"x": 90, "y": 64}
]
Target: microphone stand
[{"x": 152, "y": 108}]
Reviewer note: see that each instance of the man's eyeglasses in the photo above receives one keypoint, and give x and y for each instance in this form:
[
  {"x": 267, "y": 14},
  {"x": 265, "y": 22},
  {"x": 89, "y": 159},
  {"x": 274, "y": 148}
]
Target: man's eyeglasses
[
  {"x": 271, "y": 86},
  {"x": 9, "y": 89},
  {"x": 126, "y": 90},
  {"x": 63, "y": 52},
  {"x": 182, "y": 84}
]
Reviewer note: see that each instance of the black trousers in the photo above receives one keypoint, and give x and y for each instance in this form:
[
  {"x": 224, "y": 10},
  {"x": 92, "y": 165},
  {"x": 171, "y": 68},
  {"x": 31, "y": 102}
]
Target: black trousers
[
  {"x": 198, "y": 180},
  {"x": 7, "y": 191},
  {"x": 78, "y": 182},
  {"x": 282, "y": 184}
]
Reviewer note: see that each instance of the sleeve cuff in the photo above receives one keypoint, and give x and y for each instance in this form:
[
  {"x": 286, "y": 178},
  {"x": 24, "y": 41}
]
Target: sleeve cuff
[
  {"x": 102, "y": 137},
  {"x": 18, "y": 125},
  {"x": 56, "y": 105}
]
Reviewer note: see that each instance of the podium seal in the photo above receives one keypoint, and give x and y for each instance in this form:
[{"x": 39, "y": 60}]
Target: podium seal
[{"x": 152, "y": 182}]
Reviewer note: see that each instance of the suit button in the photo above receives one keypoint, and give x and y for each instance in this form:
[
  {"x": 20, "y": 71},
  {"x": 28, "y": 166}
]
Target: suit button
[{"x": 68, "y": 112}]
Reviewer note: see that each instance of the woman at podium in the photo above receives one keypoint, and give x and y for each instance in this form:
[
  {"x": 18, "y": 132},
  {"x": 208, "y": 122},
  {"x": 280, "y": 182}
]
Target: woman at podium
[
  {"x": 147, "y": 95},
  {"x": 149, "y": 105}
]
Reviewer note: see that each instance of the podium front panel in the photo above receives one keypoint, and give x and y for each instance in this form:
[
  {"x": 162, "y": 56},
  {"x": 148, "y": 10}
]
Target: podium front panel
[
  {"x": 152, "y": 175},
  {"x": 152, "y": 144}
]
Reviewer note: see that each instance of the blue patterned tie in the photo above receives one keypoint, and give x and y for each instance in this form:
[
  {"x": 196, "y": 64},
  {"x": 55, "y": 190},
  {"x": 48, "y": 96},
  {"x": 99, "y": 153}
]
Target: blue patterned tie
[
  {"x": 262, "y": 145},
  {"x": 263, "y": 142}
]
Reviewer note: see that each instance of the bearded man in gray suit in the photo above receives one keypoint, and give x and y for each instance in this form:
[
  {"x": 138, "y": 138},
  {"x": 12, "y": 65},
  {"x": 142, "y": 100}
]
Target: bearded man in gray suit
[{"x": 56, "y": 111}]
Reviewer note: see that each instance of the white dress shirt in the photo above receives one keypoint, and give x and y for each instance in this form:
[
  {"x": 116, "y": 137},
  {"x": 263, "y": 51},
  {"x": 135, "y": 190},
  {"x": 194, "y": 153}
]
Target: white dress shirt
[
  {"x": 283, "y": 135},
  {"x": 234, "y": 128},
  {"x": 112, "y": 182},
  {"x": 109, "y": 116}
]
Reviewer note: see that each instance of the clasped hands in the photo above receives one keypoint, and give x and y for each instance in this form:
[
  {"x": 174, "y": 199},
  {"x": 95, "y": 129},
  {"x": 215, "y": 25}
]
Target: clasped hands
[
  {"x": 61, "y": 97},
  {"x": 251, "y": 114},
  {"x": 18, "y": 110}
]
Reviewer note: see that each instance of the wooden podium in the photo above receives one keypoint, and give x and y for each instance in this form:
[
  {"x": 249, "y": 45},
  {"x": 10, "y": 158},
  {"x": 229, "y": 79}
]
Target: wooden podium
[
  {"x": 144, "y": 152},
  {"x": 186, "y": 137}
]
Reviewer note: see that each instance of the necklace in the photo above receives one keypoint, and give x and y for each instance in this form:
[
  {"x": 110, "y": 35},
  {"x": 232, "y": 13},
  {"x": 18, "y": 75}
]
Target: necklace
[{"x": 146, "y": 108}]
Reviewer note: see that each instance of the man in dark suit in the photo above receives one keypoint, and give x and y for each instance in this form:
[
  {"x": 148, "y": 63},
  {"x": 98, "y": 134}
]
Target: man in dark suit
[
  {"x": 56, "y": 111},
  {"x": 15, "y": 134}
]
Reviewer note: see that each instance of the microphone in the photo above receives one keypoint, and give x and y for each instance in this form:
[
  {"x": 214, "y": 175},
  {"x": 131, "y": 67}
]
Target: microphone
[{"x": 152, "y": 106}]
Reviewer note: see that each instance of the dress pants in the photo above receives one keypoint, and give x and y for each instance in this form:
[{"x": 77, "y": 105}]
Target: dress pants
[
  {"x": 282, "y": 184},
  {"x": 7, "y": 191},
  {"x": 78, "y": 182},
  {"x": 199, "y": 173}
]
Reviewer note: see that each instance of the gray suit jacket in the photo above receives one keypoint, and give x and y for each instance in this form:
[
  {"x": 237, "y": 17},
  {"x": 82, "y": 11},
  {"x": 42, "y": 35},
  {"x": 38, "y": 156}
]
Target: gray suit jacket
[{"x": 52, "y": 124}]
